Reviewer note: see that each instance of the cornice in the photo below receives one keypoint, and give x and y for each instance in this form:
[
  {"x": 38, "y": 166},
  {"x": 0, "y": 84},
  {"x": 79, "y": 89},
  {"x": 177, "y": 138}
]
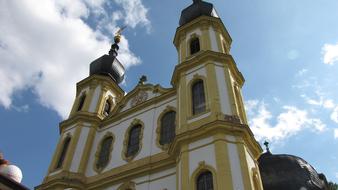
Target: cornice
[
  {"x": 202, "y": 58},
  {"x": 94, "y": 80},
  {"x": 202, "y": 21},
  {"x": 80, "y": 117},
  {"x": 216, "y": 127}
]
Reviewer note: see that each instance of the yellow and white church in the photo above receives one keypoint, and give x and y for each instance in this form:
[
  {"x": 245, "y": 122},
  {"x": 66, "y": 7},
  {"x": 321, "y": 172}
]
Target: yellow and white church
[{"x": 191, "y": 136}]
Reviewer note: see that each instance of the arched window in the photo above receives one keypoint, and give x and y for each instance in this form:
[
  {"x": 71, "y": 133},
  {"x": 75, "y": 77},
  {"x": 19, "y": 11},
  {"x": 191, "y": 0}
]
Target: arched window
[
  {"x": 134, "y": 140},
  {"x": 168, "y": 126},
  {"x": 107, "y": 108},
  {"x": 63, "y": 152},
  {"x": 198, "y": 97},
  {"x": 81, "y": 102},
  {"x": 103, "y": 157},
  {"x": 204, "y": 181},
  {"x": 194, "y": 45}
]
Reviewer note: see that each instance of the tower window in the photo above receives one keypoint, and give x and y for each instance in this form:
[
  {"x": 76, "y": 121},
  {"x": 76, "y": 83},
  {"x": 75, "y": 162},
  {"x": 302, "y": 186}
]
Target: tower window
[
  {"x": 167, "y": 134},
  {"x": 104, "y": 154},
  {"x": 107, "y": 108},
  {"x": 194, "y": 46},
  {"x": 204, "y": 181},
  {"x": 134, "y": 140},
  {"x": 198, "y": 97},
  {"x": 63, "y": 152},
  {"x": 81, "y": 102}
]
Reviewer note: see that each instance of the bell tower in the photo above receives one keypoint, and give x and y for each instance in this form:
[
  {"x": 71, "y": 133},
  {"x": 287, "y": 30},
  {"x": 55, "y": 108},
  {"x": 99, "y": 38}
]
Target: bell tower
[
  {"x": 96, "y": 97},
  {"x": 212, "y": 121}
]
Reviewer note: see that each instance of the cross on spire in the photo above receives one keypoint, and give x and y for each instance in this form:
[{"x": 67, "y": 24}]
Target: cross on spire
[
  {"x": 266, "y": 143},
  {"x": 142, "y": 80}
]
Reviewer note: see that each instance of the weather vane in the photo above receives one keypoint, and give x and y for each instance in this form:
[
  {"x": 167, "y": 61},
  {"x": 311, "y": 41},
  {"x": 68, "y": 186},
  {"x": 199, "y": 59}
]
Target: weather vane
[{"x": 117, "y": 39}]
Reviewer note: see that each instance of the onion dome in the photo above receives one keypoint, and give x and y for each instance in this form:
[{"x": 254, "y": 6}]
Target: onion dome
[
  {"x": 197, "y": 9},
  {"x": 109, "y": 65},
  {"x": 282, "y": 171}
]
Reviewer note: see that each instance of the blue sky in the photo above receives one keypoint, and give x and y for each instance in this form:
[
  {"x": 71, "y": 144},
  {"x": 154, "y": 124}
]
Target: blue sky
[{"x": 287, "y": 51}]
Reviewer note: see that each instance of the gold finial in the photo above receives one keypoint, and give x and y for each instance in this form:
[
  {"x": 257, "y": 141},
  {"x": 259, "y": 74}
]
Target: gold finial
[{"x": 117, "y": 37}]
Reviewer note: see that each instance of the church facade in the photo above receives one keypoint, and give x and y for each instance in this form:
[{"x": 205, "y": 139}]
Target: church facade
[{"x": 191, "y": 136}]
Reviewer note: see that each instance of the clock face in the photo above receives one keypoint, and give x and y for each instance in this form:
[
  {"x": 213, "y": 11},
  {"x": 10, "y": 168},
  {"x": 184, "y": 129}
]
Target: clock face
[{"x": 139, "y": 98}]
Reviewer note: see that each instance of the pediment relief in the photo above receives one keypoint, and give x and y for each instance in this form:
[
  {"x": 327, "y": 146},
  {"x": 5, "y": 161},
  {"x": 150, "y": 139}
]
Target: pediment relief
[{"x": 140, "y": 94}]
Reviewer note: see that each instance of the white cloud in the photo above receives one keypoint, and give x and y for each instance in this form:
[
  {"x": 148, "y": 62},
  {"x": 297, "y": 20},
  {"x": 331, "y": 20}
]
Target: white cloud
[
  {"x": 321, "y": 101},
  {"x": 336, "y": 133},
  {"x": 46, "y": 46},
  {"x": 334, "y": 115},
  {"x": 288, "y": 123},
  {"x": 23, "y": 108},
  {"x": 135, "y": 13},
  {"x": 330, "y": 53}
]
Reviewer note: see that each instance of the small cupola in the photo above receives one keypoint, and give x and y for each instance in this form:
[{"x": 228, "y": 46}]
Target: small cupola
[
  {"x": 197, "y": 9},
  {"x": 109, "y": 65}
]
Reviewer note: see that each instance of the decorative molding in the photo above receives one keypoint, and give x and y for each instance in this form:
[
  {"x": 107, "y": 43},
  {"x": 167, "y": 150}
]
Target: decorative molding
[
  {"x": 195, "y": 79},
  {"x": 159, "y": 127},
  {"x": 110, "y": 99},
  {"x": 127, "y": 186},
  {"x": 59, "y": 151},
  {"x": 126, "y": 140},
  {"x": 99, "y": 149},
  {"x": 232, "y": 119},
  {"x": 139, "y": 98},
  {"x": 203, "y": 167}
]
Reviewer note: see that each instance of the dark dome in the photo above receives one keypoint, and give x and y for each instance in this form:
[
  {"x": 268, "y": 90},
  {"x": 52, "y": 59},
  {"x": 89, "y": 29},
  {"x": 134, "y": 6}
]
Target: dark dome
[
  {"x": 197, "y": 9},
  {"x": 287, "y": 172},
  {"x": 108, "y": 65}
]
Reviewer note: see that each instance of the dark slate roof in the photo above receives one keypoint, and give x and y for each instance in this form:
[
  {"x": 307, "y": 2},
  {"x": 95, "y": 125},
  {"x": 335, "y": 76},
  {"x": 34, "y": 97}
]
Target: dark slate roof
[
  {"x": 6, "y": 182},
  {"x": 108, "y": 65},
  {"x": 281, "y": 172},
  {"x": 197, "y": 9}
]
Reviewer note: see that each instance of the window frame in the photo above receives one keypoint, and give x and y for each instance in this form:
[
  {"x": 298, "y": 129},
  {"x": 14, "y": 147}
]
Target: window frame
[
  {"x": 203, "y": 167},
  {"x": 195, "y": 109},
  {"x": 159, "y": 127},
  {"x": 193, "y": 39},
  {"x": 82, "y": 101},
  {"x": 134, "y": 140},
  {"x": 62, "y": 155},
  {"x": 125, "y": 156},
  {"x": 111, "y": 102},
  {"x": 207, "y": 178},
  {"x": 99, "y": 151}
]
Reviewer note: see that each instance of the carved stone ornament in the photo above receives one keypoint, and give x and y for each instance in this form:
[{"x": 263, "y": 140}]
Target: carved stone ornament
[
  {"x": 232, "y": 118},
  {"x": 139, "y": 98}
]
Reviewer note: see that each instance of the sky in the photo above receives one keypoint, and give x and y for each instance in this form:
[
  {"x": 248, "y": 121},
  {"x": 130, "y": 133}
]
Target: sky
[{"x": 287, "y": 51}]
